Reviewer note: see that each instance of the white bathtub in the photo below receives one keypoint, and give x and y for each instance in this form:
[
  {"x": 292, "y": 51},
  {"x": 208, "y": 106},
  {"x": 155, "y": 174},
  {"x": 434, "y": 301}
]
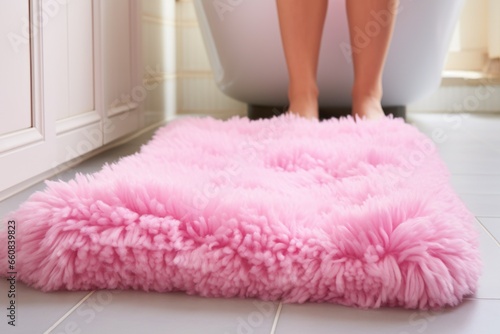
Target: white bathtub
[{"x": 243, "y": 42}]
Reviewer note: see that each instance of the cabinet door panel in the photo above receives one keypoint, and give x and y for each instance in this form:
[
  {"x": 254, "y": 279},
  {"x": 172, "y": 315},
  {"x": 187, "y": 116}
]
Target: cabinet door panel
[
  {"x": 81, "y": 57},
  {"x": 123, "y": 89},
  {"x": 15, "y": 76}
]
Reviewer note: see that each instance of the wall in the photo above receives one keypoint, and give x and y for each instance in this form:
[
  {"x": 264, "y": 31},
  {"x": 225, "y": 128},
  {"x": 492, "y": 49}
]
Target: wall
[
  {"x": 159, "y": 59},
  {"x": 197, "y": 92},
  {"x": 469, "y": 47}
]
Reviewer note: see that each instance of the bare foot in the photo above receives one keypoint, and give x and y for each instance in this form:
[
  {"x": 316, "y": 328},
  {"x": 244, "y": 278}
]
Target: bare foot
[
  {"x": 310, "y": 114},
  {"x": 304, "y": 107},
  {"x": 367, "y": 106}
]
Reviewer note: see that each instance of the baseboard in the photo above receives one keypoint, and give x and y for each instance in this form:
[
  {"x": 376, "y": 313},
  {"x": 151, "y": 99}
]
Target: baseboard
[{"x": 462, "y": 95}]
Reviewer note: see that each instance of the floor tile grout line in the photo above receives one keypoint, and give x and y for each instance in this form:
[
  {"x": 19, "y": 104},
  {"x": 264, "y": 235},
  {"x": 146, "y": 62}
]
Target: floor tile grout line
[
  {"x": 488, "y": 232},
  {"x": 68, "y": 313},
  {"x": 478, "y": 298},
  {"x": 276, "y": 318}
]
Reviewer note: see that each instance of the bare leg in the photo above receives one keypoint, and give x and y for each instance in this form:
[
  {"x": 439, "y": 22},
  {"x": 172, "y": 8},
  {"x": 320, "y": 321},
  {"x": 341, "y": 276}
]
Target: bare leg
[
  {"x": 371, "y": 24},
  {"x": 301, "y": 24}
]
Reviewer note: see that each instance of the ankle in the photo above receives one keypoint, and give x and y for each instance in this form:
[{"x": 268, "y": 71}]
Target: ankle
[
  {"x": 361, "y": 92},
  {"x": 367, "y": 105},
  {"x": 303, "y": 91},
  {"x": 304, "y": 104}
]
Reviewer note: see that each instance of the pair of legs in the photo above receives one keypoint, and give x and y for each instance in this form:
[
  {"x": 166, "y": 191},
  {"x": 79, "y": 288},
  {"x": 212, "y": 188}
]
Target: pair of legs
[{"x": 301, "y": 25}]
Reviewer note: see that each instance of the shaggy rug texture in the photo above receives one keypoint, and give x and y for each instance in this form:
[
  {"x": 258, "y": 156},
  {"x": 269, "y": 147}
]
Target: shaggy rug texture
[{"x": 359, "y": 213}]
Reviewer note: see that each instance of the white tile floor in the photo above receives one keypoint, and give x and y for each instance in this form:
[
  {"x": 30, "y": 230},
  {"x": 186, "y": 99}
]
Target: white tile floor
[{"x": 470, "y": 145}]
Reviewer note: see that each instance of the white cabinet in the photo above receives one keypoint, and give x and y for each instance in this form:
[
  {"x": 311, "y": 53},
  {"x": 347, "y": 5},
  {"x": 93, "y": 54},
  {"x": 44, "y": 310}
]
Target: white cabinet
[{"x": 64, "y": 92}]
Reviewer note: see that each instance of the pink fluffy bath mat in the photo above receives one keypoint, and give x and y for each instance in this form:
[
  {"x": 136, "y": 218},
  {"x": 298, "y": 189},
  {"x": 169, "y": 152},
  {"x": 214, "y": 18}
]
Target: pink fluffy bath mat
[{"x": 357, "y": 213}]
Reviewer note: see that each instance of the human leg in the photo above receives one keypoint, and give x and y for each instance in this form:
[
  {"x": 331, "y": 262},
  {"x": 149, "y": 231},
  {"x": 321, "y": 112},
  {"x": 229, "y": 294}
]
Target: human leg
[
  {"x": 371, "y": 24},
  {"x": 301, "y": 25}
]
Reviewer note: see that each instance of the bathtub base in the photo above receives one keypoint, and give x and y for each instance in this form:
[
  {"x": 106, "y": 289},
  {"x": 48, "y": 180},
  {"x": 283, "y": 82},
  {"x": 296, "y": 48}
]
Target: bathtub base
[{"x": 257, "y": 112}]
